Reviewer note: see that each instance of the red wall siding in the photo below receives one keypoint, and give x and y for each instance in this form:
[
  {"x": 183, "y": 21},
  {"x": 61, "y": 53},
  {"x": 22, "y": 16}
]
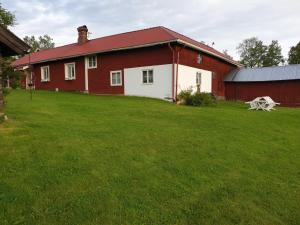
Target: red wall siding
[
  {"x": 285, "y": 92},
  {"x": 57, "y": 76},
  {"x": 99, "y": 78},
  {"x": 220, "y": 68}
]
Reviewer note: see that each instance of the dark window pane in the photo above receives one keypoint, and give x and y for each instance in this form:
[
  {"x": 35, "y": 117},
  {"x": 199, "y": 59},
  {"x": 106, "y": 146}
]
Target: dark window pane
[
  {"x": 145, "y": 77},
  {"x": 113, "y": 78},
  {"x": 118, "y": 78},
  {"x": 150, "y": 77}
]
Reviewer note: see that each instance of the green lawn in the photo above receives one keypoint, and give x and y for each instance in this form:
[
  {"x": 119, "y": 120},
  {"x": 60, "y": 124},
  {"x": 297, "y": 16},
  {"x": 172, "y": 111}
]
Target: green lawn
[{"x": 68, "y": 159}]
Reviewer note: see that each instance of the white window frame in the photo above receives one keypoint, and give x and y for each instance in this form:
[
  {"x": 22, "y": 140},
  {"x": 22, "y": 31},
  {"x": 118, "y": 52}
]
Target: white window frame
[
  {"x": 147, "y": 70},
  {"x": 43, "y": 74},
  {"x": 111, "y": 75},
  {"x": 67, "y": 71},
  {"x": 88, "y": 62},
  {"x": 198, "y": 78}
]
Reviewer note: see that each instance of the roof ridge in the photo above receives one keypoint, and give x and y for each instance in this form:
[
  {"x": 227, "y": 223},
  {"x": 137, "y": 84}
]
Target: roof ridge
[
  {"x": 127, "y": 32},
  {"x": 168, "y": 30},
  {"x": 48, "y": 49},
  {"x": 269, "y": 67},
  {"x": 149, "y": 28}
]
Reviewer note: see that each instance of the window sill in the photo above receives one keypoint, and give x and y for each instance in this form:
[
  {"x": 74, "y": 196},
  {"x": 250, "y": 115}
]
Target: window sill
[
  {"x": 92, "y": 68},
  {"x": 116, "y": 85},
  {"x": 147, "y": 83},
  {"x": 70, "y": 79},
  {"x": 44, "y": 81}
]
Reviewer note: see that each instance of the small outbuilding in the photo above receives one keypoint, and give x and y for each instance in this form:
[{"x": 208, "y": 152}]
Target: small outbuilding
[
  {"x": 10, "y": 45},
  {"x": 281, "y": 83}
]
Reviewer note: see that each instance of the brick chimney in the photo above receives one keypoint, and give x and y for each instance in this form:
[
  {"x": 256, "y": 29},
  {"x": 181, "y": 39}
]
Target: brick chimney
[{"x": 82, "y": 34}]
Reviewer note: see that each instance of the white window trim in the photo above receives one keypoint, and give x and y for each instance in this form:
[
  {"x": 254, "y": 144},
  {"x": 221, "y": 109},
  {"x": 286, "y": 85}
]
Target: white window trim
[
  {"x": 116, "y": 71},
  {"x": 66, "y": 71},
  {"x": 42, "y": 75},
  {"x": 198, "y": 78},
  {"x": 88, "y": 62},
  {"x": 147, "y": 76}
]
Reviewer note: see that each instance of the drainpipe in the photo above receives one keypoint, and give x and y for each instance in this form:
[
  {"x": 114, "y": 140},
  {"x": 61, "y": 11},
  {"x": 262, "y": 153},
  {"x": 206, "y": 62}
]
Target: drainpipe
[
  {"x": 86, "y": 75},
  {"x": 173, "y": 71},
  {"x": 176, "y": 86},
  {"x": 178, "y": 57}
]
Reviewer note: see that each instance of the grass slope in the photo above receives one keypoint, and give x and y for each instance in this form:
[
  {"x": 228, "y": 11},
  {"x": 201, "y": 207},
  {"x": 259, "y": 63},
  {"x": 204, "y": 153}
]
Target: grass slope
[{"x": 77, "y": 159}]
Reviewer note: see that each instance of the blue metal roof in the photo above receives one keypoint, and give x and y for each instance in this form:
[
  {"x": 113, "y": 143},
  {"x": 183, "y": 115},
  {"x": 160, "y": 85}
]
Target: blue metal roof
[{"x": 274, "y": 73}]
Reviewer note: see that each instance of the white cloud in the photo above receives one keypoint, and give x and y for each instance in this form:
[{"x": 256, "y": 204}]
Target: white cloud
[{"x": 224, "y": 22}]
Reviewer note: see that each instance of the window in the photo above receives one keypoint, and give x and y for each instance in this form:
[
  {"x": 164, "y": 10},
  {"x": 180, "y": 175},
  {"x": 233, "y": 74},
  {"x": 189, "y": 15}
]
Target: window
[
  {"x": 92, "y": 62},
  {"x": 199, "y": 59},
  {"x": 147, "y": 76},
  {"x": 116, "y": 78},
  {"x": 70, "y": 71},
  {"x": 45, "y": 74},
  {"x": 198, "y": 78}
]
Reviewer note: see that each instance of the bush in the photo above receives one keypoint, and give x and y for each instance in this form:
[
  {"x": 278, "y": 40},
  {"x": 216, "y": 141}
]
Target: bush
[
  {"x": 185, "y": 97},
  {"x": 207, "y": 99},
  {"x": 1, "y": 117},
  {"x": 5, "y": 91},
  {"x": 198, "y": 99}
]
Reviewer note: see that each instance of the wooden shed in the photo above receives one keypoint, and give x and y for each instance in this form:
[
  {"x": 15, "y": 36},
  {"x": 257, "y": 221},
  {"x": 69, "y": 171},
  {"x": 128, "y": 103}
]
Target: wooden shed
[
  {"x": 10, "y": 45},
  {"x": 281, "y": 83}
]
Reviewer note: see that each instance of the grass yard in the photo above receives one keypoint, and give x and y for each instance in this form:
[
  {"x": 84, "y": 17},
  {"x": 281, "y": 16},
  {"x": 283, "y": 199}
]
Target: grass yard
[{"x": 68, "y": 159}]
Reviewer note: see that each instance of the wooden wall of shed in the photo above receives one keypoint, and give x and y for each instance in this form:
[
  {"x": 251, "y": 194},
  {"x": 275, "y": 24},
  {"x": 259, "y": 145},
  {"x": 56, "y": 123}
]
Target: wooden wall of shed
[
  {"x": 286, "y": 92},
  {"x": 1, "y": 91}
]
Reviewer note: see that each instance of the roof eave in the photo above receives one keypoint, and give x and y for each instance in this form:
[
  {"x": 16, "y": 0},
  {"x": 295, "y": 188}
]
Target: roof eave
[{"x": 12, "y": 41}]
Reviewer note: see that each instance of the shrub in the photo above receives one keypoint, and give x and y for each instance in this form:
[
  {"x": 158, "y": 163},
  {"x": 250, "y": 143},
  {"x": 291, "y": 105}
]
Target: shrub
[
  {"x": 208, "y": 99},
  {"x": 198, "y": 99},
  {"x": 5, "y": 91},
  {"x": 185, "y": 97},
  {"x": 1, "y": 118}
]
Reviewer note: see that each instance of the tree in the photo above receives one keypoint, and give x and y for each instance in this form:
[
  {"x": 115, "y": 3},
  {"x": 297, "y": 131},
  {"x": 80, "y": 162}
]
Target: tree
[
  {"x": 42, "y": 42},
  {"x": 225, "y": 52},
  {"x": 10, "y": 77},
  {"x": 252, "y": 52},
  {"x": 6, "y": 17},
  {"x": 294, "y": 54},
  {"x": 273, "y": 55}
]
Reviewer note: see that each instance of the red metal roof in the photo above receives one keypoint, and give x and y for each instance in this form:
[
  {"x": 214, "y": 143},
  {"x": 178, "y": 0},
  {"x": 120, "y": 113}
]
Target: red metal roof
[{"x": 134, "y": 39}]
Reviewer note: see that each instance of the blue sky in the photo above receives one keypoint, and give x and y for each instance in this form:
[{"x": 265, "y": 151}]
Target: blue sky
[{"x": 226, "y": 23}]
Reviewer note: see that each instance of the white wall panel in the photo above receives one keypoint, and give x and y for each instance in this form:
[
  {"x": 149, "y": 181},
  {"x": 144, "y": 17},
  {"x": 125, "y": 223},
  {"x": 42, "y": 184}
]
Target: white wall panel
[
  {"x": 162, "y": 82},
  {"x": 187, "y": 79}
]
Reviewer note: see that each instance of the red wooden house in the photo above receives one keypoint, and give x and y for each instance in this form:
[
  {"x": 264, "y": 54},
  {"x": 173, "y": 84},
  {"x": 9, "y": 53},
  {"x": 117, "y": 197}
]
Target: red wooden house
[{"x": 155, "y": 62}]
